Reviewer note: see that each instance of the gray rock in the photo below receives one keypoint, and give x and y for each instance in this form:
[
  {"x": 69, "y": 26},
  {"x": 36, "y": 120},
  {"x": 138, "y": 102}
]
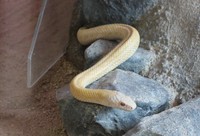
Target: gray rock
[
  {"x": 83, "y": 119},
  {"x": 74, "y": 50},
  {"x": 115, "y": 11},
  {"x": 139, "y": 62},
  {"x": 178, "y": 121}
]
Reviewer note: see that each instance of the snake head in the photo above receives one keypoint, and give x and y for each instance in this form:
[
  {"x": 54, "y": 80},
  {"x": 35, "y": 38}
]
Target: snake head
[{"x": 123, "y": 102}]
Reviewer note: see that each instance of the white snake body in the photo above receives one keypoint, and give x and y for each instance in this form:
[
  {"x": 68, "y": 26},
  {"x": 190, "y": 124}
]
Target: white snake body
[{"x": 130, "y": 39}]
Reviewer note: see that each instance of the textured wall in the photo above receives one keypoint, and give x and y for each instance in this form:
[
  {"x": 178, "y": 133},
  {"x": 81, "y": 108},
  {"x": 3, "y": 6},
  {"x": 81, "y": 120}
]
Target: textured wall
[{"x": 172, "y": 29}]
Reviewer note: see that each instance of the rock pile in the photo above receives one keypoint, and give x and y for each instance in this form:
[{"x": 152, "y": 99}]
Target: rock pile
[{"x": 169, "y": 54}]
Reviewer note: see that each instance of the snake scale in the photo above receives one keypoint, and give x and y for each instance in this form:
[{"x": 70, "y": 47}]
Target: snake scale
[{"x": 130, "y": 39}]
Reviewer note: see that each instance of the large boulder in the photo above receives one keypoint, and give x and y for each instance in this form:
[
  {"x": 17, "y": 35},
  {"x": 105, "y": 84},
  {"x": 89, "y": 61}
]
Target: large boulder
[
  {"x": 178, "y": 121},
  {"x": 91, "y": 119}
]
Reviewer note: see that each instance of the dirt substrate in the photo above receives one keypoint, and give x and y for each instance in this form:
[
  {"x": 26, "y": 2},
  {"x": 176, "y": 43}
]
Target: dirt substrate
[{"x": 36, "y": 112}]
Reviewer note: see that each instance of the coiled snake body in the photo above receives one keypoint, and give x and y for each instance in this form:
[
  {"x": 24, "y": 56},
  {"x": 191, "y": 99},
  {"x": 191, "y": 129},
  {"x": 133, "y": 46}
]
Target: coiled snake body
[{"x": 130, "y": 39}]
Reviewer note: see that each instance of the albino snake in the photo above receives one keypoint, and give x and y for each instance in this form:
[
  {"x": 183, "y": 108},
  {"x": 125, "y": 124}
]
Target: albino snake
[{"x": 130, "y": 39}]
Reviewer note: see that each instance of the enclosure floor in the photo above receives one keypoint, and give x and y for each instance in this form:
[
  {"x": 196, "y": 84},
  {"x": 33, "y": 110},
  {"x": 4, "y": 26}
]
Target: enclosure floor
[{"x": 23, "y": 111}]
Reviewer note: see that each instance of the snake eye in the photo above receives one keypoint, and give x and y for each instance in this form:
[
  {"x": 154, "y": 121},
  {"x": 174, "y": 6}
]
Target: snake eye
[{"x": 122, "y": 104}]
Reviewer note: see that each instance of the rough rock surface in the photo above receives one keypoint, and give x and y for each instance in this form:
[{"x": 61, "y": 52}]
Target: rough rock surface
[
  {"x": 115, "y": 11},
  {"x": 90, "y": 119},
  {"x": 74, "y": 50},
  {"x": 138, "y": 63},
  {"x": 179, "y": 121},
  {"x": 172, "y": 30}
]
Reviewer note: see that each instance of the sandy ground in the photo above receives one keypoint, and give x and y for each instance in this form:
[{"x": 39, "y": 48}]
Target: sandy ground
[
  {"x": 35, "y": 112},
  {"x": 23, "y": 111}
]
